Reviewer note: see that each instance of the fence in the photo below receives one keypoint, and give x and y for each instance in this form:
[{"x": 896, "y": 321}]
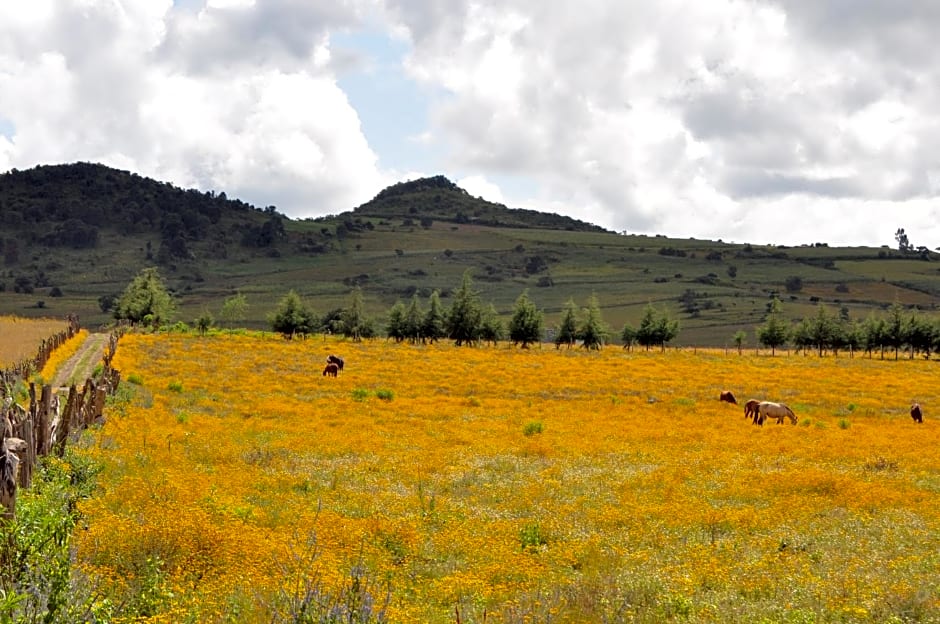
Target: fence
[
  {"x": 45, "y": 427},
  {"x": 24, "y": 368}
]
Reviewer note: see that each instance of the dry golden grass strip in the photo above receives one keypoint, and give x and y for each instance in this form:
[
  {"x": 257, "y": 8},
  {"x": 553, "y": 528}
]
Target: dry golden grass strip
[{"x": 20, "y": 338}]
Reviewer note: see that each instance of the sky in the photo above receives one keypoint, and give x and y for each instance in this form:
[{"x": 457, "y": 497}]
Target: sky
[{"x": 762, "y": 121}]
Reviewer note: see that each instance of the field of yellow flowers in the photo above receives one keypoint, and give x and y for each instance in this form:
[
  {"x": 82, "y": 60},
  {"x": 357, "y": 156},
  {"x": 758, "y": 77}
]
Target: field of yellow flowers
[{"x": 444, "y": 484}]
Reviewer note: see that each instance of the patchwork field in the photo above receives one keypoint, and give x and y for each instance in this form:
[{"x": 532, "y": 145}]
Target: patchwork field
[
  {"x": 443, "y": 484},
  {"x": 20, "y": 338}
]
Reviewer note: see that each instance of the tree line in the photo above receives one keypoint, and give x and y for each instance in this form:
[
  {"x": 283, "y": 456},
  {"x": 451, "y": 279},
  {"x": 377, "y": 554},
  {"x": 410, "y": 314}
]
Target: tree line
[
  {"x": 467, "y": 321},
  {"x": 897, "y": 329}
]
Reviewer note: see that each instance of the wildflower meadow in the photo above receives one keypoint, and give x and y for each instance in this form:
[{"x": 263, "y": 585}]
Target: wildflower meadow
[{"x": 431, "y": 483}]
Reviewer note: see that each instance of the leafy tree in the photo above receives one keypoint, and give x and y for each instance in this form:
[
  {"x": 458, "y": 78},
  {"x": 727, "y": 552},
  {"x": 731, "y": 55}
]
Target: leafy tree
[
  {"x": 740, "y": 337},
  {"x": 234, "y": 309},
  {"x": 464, "y": 319},
  {"x": 395, "y": 329},
  {"x": 432, "y": 327},
  {"x": 146, "y": 300},
  {"x": 919, "y": 334},
  {"x": 628, "y": 336},
  {"x": 568, "y": 331},
  {"x": 793, "y": 283},
  {"x": 776, "y": 331},
  {"x": 527, "y": 321},
  {"x": 491, "y": 328},
  {"x": 592, "y": 331},
  {"x": 291, "y": 316}
]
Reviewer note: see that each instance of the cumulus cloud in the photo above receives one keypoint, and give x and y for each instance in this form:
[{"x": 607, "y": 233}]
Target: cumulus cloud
[
  {"x": 229, "y": 96},
  {"x": 652, "y": 116}
]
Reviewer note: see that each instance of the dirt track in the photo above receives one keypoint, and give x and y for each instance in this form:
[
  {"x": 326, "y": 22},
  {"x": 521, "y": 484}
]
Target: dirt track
[{"x": 80, "y": 366}]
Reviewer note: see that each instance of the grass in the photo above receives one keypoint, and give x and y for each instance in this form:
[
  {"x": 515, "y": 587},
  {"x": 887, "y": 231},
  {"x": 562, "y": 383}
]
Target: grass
[{"x": 21, "y": 337}]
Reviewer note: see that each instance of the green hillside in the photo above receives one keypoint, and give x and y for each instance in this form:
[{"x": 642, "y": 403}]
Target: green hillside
[{"x": 73, "y": 236}]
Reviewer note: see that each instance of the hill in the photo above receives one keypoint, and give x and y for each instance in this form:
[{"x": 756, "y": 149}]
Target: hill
[{"x": 73, "y": 236}]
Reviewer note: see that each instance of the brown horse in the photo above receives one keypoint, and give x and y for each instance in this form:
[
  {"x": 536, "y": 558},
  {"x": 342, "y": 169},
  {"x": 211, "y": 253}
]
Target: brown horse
[
  {"x": 750, "y": 409},
  {"x": 727, "y": 397},
  {"x": 331, "y": 369},
  {"x": 769, "y": 409},
  {"x": 335, "y": 359},
  {"x": 916, "y": 413}
]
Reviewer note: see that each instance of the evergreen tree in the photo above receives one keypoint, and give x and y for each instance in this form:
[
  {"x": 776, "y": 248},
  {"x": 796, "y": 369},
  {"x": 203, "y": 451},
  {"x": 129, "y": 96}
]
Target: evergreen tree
[
  {"x": 666, "y": 329},
  {"x": 396, "y": 322},
  {"x": 491, "y": 328},
  {"x": 592, "y": 332},
  {"x": 291, "y": 316},
  {"x": 628, "y": 336},
  {"x": 776, "y": 331},
  {"x": 874, "y": 334},
  {"x": 895, "y": 328},
  {"x": 146, "y": 300},
  {"x": 821, "y": 330},
  {"x": 354, "y": 323},
  {"x": 464, "y": 320},
  {"x": 525, "y": 327},
  {"x": 413, "y": 320},
  {"x": 432, "y": 327},
  {"x": 568, "y": 331}
]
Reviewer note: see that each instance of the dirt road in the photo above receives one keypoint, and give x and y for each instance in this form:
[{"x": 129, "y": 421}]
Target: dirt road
[{"x": 80, "y": 366}]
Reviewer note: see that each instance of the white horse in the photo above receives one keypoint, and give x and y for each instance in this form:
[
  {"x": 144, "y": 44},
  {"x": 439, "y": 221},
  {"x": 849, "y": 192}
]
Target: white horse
[{"x": 769, "y": 409}]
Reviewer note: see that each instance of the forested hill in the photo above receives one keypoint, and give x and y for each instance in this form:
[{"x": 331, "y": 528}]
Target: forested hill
[
  {"x": 437, "y": 198},
  {"x": 68, "y": 205}
]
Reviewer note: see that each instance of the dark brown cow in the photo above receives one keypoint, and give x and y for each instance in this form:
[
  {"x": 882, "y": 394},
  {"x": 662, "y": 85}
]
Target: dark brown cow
[
  {"x": 727, "y": 397},
  {"x": 916, "y": 413},
  {"x": 331, "y": 369}
]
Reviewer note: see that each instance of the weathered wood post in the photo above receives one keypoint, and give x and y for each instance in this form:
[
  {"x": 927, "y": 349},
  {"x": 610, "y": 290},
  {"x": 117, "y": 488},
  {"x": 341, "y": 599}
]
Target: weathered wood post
[
  {"x": 43, "y": 421},
  {"x": 65, "y": 422},
  {"x": 10, "y": 458}
]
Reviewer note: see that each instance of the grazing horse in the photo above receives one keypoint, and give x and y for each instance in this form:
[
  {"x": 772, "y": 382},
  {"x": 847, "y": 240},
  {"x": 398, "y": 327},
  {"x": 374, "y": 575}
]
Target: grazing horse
[
  {"x": 727, "y": 397},
  {"x": 335, "y": 359},
  {"x": 750, "y": 409},
  {"x": 331, "y": 369},
  {"x": 916, "y": 413},
  {"x": 768, "y": 409}
]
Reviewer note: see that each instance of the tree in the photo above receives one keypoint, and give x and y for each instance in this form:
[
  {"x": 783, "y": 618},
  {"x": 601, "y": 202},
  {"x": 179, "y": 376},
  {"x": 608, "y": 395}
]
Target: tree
[
  {"x": 204, "y": 322},
  {"x": 491, "y": 328},
  {"x": 527, "y": 321},
  {"x": 895, "y": 330},
  {"x": 413, "y": 320},
  {"x": 628, "y": 336},
  {"x": 821, "y": 330},
  {"x": 396, "y": 322},
  {"x": 353, "y": 321},
  {"x": 432, "y": 328},
  {"x": 776, "y": 331},
  {"x": 874, "y": 334},
  {"x": 568, "y": 331},
  {"x": 793, "y": 283},
  {"x": 740, "y": 337},
  {"x": 593, "y": 331},
  {"x": 234, "y": 309},
  {"x": 146, "y": 300},
  {"x": 656, "y": 328},
  {"x": 291, "y": 316},
  {"x": 464, "y": 321},
  {"x": 903, "y": 243}
]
